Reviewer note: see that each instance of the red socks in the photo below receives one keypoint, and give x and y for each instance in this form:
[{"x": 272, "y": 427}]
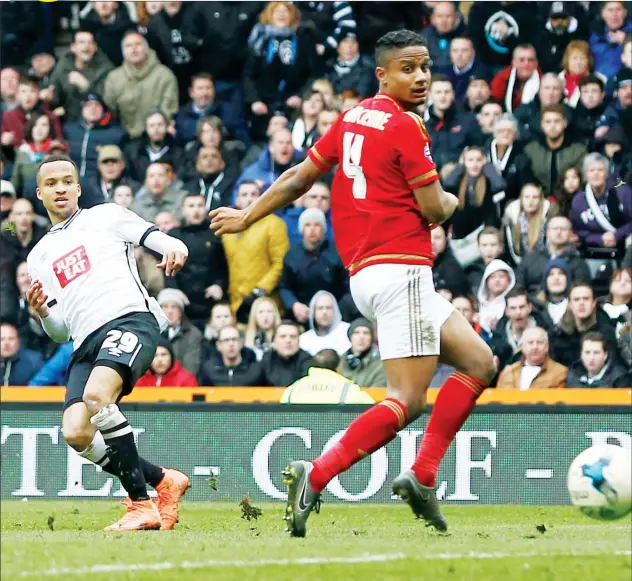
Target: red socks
[
  {"x": 373, "y": 429},
  {"x": 456, "y": 400}
]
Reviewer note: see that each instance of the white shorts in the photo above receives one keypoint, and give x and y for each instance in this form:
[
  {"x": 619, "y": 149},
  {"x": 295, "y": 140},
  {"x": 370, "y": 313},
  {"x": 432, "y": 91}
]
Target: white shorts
[{"x": 408, "y": 311}]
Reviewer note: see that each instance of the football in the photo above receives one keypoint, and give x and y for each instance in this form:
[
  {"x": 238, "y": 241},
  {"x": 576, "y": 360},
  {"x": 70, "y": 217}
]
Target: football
[{"x": 600, "y": 482}]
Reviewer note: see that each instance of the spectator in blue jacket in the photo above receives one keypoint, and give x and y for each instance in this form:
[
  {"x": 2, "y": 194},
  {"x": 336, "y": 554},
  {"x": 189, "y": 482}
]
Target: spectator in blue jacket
[
  {"x": 311, "y": 266},
  {"x": 17, "y": 364},
  {"x": 54, "y": 370},
  {"x": 607, "y": 45},
  {"x": 95, "y": 129},
  {"x": 202, "y": 104},
  {"x": 273, "y": 161},
  {"x": 619, "y": 112}
]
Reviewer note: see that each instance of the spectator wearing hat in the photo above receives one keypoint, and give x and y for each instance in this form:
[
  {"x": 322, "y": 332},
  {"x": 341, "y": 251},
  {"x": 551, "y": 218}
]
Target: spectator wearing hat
[
  {"x": 17, "y": 364},
  {"x": 140, "y": 85},
  {"x": 80, "y": 72},
  {"x": 159, "y": 196},
  {"x": 607, "y": 44},
  {"x": 204, "y": 278},
  {"x": 311, "y": 266},
  {"x": 255, "y": 257},
  {"x": 620, "y": 112},
  {"x": 185, "y": 338},
  {"x": 555, "y": 288},
  {"x": 327, "y": 330},
  {"x": 155, "y": 144},
  {"x": 235, "y": 366},
  {"x": 319, "y": 197},
  {"x": 9, "y": 82},
  {"x": 108, "y": 22},
  {"x": 14, "y": 122},
  {"x": 463, "y": 66},
  {"x": 285, "y": 362},
  {"x": 590, "y": 108},
  {"x": 166, "y": 370},
  {"x": 362, "y": 364},
  {"x": 561, "y": 27},
  {"x": 446, "y": 23},
  {"x": 110, "y": 173},
  {"x": 213, "y": 178},
  {"x": 95, "y": 129},
  {"x": 168, "y": 35},
  {"x": 595, "y": 368},
  {"x": 202, "y": 104},
  {"x": 615, "y": 145},
  {"x": 537, "y": 369},
  {"x": 7, "y": 198},
  {"x": 519, "y": 83},
  {"x": 351, "y": 70}
]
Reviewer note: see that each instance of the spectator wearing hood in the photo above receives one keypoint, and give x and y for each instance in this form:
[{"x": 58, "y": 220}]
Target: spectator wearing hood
[
  {"x": 311, "y": 266},
  {"x": 170, "y": 36},
  {"x": 361, "y": 363},
  {"x": 285, "y": 362},
  {"x": 595, "y": 367},
  {"x": 602, "y": 213},
  {"x": 204, "y": 278},
  {"x": 201, "y": 106},
  {"x": 561, "y": 28},
  {"x": 446, "y": 24},
  {"x": 582, "y": 316},
  {"x": 235, "y": 366},
  {"x": 281, "y": 63},
  {"x": 536, "y": 369},
  {"x": 520, "y": 314},
  {"x": 519, "y": 83},
  {"x": 17, "y": 364},
  {"x": 590, "y": 108},
  {"x": 213, "y": 178},
  {"x": 558, "y": 244},
  {"x": 255, "y": 257},
  {"x": 490, "y": 246},
  {"x": 93, "y": 130},
  {"x": 616, "y": 147},
  {"x": 498, "y": 280},
  {"x": 79, "y": 73},
  {"x": 166, "y": 370},
  {"x": 447, "y": 272},
  {"x": 273, "y": 161},
  {"x": 607, "y": 44},
  {"x": 351, "y": 70},
  {"x": 464, "y": 65},
  {"x": 108, "y": 22},
  {"x": 153, "y": 145},
  {"x": 185, "y": 339},
  {"x": 450, "y": 129},
  {"x": 327, "y": 329},
  {"x": 555, "y": 288},
  {"x": 141, "y": 84}
]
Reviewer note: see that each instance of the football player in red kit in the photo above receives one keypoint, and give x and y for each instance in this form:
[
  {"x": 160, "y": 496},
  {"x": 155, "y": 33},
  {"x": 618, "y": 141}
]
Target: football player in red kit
[{"x": 386, "y": 195}]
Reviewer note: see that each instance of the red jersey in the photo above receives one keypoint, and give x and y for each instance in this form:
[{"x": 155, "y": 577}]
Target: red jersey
[{"x": 383, "y": 154}]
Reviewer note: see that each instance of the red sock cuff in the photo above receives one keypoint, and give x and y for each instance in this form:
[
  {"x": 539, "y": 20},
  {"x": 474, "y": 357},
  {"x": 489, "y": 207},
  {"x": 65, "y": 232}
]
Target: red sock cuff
[
  {"x": 398, "y": 409},
  {"x": 473, "y": 384}
]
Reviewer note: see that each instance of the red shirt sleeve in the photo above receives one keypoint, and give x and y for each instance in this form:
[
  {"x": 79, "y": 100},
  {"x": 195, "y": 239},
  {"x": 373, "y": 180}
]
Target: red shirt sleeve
[
  {"x": 413, "y": 145},
  {"x": 325, "y": 152}
]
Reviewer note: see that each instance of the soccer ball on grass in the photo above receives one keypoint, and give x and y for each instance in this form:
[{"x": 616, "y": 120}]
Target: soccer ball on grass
[{"x": 600, "y": 482}]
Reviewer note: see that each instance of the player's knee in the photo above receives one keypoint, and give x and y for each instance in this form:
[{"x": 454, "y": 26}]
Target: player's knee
[
  {"x": 78, "y": 438},
  {"x": 483, "y": 366},
  {"x": 94, "y": 401}
]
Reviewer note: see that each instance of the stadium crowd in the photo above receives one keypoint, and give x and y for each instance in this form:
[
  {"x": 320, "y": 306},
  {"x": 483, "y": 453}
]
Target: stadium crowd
[{"x": 175, "y": 108}]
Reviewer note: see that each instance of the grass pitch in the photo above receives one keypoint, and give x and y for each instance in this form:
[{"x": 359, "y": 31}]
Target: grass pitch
[{"x": 345, "y": 542}]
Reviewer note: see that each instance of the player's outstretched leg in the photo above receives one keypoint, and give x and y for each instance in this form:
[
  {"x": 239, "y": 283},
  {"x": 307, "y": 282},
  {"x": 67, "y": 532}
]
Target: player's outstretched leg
[{"x": 462, "y": 348}]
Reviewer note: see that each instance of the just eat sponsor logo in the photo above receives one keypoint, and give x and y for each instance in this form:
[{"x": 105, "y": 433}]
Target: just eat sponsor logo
[{"x": 71, "y": 266}]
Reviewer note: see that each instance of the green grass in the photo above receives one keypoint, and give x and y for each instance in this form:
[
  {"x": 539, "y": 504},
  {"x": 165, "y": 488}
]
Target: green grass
[{"x": 500, "y": 543}]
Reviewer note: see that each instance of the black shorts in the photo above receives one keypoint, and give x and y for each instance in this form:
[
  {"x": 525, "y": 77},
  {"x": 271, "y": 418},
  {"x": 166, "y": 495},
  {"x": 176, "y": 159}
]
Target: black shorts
[{"x": 127, "y": 345}]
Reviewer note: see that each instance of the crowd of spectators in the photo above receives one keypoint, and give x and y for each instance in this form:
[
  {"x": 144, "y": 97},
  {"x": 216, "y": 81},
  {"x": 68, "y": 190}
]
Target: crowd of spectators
[{"x": 175, "y": 108}]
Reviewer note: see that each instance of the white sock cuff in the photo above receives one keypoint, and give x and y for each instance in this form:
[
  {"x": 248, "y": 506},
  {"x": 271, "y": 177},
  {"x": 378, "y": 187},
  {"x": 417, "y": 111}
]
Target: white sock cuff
[
  {"x": 96, "y": 451},
  {"x": 111, "y": 422}
]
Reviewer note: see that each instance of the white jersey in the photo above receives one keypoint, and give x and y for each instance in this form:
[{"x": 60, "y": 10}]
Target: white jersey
[{"x": 87, "y": 268}]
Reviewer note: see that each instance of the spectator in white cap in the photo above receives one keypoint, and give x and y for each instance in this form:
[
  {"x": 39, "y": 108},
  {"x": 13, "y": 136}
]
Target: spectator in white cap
[
  {"x": 310, "y": 266},
  {"x": 185, "y": 338},
  {"x": 7, "y": 197}
]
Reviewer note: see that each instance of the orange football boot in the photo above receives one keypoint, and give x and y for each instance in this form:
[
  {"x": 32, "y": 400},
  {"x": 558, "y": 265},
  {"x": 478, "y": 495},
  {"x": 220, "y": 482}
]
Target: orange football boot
[
  {"x": 141, "y": 515},
  {"x": 170, "y": 490}
]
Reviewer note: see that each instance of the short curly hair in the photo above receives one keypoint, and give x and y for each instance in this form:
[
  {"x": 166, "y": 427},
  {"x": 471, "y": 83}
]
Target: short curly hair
[{"x": 397, "y": 39}]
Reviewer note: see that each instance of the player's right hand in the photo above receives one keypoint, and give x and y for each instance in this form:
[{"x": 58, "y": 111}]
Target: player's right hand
[
  {"x": 36, "y": 298},
  {"x": 228, "y": 221}
]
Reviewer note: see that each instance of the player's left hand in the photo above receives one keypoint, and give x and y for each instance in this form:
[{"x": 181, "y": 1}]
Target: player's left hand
[
  {"x": 227, "y": 221},
  {"x": 172, "y": 262}
]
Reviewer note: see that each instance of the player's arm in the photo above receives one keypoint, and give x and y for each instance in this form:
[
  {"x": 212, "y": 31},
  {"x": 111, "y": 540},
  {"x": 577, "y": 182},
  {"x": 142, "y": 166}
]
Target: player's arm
[
  {"x": 52, "y": 320},
  {"x": 132, "y": 228},
  {"x": 435, "y": 204}
]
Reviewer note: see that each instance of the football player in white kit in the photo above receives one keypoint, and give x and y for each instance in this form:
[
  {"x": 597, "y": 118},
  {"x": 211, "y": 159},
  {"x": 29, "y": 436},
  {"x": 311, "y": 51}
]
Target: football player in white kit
[{"x": 85, "y": 286}]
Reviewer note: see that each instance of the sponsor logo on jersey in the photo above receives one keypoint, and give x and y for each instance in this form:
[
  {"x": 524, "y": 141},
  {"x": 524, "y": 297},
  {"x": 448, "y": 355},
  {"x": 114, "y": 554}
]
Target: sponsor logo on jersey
[{"x": 71, "y": 266}]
